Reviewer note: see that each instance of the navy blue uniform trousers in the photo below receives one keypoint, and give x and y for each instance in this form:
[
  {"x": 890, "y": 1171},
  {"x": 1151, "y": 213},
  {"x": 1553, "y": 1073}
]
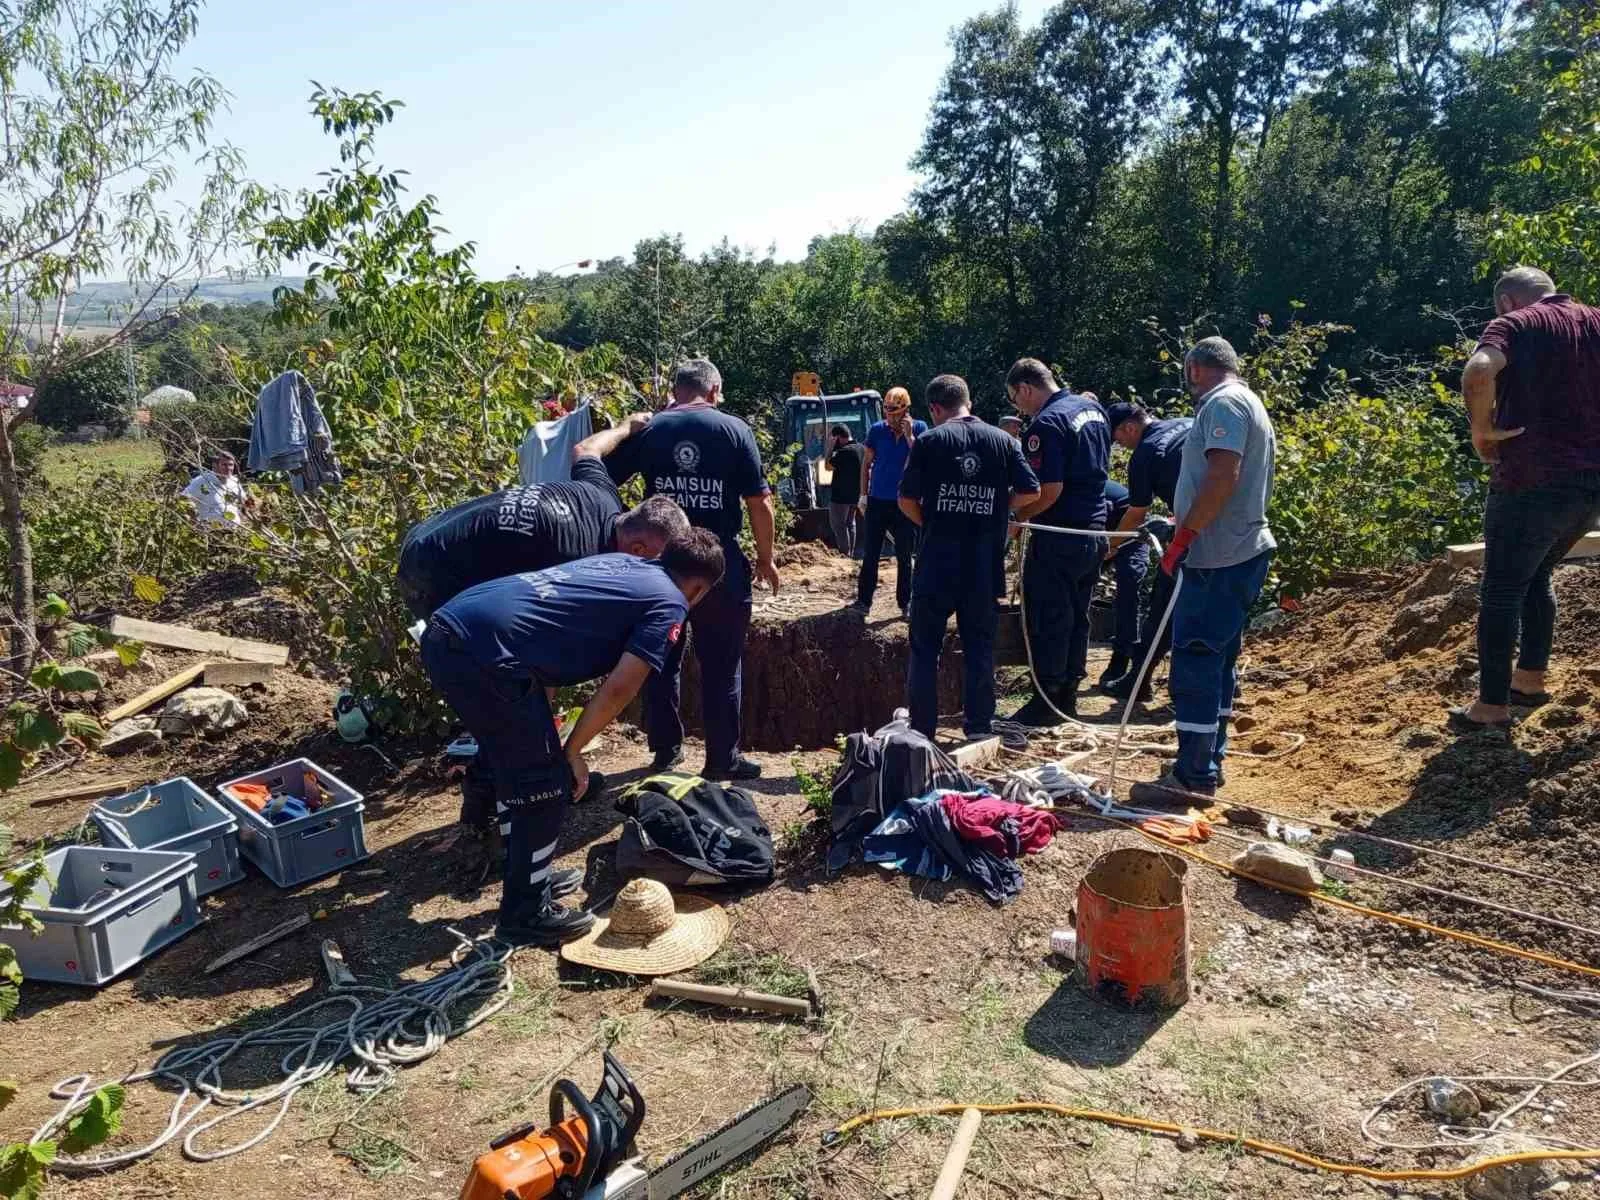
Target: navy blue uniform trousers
[
  {"x": 1057, "y": 584},
  {"x": 518, "y": 747},
  {"x": 719, "y": 623},
  {"x": 954, "y": 576},
  {"x": 1207, "y": 633},
  {"x": 1128, "y": 569}
]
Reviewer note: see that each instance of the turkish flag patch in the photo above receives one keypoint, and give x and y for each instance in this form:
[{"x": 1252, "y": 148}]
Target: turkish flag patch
[{"x": 674, "y": 634}]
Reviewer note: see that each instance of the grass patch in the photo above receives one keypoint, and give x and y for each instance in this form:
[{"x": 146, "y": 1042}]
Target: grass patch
[
  {"x": 772, "y": 973},
  {"x": 529, "y": 1012},
  {"x": 64, "y": 462},
  {"x": 1224, "y": 1071}
]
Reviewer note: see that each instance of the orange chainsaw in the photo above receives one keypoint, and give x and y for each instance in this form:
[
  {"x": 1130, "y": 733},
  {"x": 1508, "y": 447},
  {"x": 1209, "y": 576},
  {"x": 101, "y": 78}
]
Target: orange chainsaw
[{"x": 583, "y": 1157}]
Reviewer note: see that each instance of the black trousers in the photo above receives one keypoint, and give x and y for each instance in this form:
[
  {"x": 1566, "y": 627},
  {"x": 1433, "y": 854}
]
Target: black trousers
[{"x": 885, "y": 517}]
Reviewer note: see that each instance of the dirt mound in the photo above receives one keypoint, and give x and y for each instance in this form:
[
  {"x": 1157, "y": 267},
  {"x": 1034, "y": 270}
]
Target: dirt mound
[{"x": 231, "y": 601}]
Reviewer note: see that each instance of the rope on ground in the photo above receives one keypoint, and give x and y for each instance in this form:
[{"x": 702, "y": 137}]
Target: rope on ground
[
  {"x": 1256, "y": 1145},
  {"x": 1455, "y": 1136},
  {"x": 383, "y": 1029}
]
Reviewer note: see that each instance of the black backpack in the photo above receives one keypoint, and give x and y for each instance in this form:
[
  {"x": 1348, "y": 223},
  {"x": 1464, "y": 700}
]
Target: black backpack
[
  {"x": 687, "y": 832},
  {"x": 878, "y": 772}
]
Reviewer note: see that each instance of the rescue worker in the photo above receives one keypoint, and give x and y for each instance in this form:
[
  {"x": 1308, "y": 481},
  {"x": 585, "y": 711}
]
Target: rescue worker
[
  {"x": 1157, "y": 456},
  {"x": 528, "y": 529},
  {"x": 1532, "y": 389},
  {"x": 960, "y": 482},
  {"x": 708, "y": 462},
  {"x": 1224, "y": 546},
  {"x": 1128, "y": 571},
  {"x": 494, "y": 649},
  {"x": 1068, "y": 445}
]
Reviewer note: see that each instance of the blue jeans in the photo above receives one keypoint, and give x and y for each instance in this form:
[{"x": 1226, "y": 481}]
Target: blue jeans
[
  {"x": 519, "y": 748},
  {"x": 1526, "y": 534},
  {"x": 1129, "y": 570},
  {"x": 1207, "y": 633},
  {"x": 885, "y": 517},
  {"x": 1057, "y": 584},
  {"x": 719, "y": 624},
  {"x": 953, "y": 577}
]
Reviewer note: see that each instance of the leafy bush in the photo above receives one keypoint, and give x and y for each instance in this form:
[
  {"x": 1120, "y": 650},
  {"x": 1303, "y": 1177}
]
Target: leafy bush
[
  {"x": 1363, "y": 480},
  {"x": 191, "y": 432},
  {"x": 92, "y": 390}
]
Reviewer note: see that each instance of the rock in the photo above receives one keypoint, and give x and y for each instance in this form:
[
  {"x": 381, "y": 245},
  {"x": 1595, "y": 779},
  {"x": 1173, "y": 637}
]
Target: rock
[
  {"x": 202, "y": 710},
  {"x": 1422, "y": 736},
  {"x": 1244, "y": 724},
  {"x": 1511, "y": 1181},
  {"x": 1188, "y": 1139},
  {"x": 1451, "y": 1100},
  {"x": 130, "y": 734},
  {"x": 1280, "y": 864}
]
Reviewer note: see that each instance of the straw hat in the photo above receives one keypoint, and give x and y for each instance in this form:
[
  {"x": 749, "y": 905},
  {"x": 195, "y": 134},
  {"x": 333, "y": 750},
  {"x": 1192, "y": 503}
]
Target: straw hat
[{"x": 647, "y": 933}]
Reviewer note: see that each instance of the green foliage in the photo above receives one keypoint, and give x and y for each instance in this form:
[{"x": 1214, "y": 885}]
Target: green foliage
[
  {"x": 1560, "y": 229},
  {"x": 429, "y": 378},
  {"x": 1363, "y": 480},
  {"x": 23, "y": 1166},
  {"x": 92, "y": 390},
  {"x": 191, "y": 433},
  {"x": 817, "y": 792},
  {"x": 22, "y": 1169}
]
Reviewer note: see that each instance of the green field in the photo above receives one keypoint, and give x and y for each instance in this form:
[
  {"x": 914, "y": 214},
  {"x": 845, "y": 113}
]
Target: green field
[{"x": 64, "y": 463}]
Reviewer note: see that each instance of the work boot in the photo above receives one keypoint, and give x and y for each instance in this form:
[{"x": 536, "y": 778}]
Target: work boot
[
  {"x": 1168, "y": 792},
  {"x": 665, "y": 760},
  {"x": 1122, "y": 686},
  {"x": 564, "y": 882},
  {"x": 1037, "y": 714},
  {"x": 1117, "y": 668},
  {"x": 738, "y": 770},
  {"x": 556, "y": 924}
]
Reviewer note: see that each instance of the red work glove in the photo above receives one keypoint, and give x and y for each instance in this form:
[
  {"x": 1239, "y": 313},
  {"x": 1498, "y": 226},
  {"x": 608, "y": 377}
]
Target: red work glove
[{"x": 1178, "y": 548}]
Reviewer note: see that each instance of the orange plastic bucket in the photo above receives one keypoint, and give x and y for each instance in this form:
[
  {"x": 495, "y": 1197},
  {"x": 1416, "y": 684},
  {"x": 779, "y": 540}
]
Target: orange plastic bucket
[{"x": 1133, "y": 928}]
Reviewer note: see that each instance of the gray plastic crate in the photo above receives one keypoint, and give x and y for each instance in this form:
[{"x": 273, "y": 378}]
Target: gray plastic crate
[
  {"x": 175, "y": 815},
  {"x": 327, "y": 840},
  {"x": 104, "y": 909}
]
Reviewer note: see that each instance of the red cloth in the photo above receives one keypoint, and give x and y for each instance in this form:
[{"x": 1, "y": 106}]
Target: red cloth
[{"x": 982, "y": 820}]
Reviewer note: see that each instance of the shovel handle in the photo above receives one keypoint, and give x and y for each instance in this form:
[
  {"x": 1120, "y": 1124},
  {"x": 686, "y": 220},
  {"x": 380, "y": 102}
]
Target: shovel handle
[{"x": 955, "y": 1159}]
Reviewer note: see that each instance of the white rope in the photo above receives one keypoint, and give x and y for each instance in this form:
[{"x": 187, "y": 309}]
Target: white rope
[
  {"x": 1453, "y": 1137},
  {"x": 383, "y": 1029}
]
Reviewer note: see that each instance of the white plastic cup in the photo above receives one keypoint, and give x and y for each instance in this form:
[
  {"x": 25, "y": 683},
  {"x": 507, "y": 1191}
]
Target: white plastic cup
[{"x": 1064, "y": 943}]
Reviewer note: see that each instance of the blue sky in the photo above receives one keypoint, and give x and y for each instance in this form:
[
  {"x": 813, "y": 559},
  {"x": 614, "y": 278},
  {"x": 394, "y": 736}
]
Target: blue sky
[{"x": 554, "y": 131}]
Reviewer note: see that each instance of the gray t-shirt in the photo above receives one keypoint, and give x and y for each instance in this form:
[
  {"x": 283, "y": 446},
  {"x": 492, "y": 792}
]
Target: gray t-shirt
[{"x": 1230, "y": 417}]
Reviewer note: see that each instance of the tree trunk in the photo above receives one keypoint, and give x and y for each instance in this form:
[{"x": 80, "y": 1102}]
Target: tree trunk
[
  {"x": 1222, "y": 212},
  {"x": 22, "y": 623}
]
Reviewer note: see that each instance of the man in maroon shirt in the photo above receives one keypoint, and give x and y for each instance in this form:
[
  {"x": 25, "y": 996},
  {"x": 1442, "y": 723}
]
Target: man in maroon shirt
[{"x": 1532, "y": 389}]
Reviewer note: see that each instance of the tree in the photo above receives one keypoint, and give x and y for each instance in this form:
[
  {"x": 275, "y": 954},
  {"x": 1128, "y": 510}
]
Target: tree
[
  {"x": 94, "y": 122},
  {"x": 90, "y": 389},
  {"x": 1561, "y": 232}
]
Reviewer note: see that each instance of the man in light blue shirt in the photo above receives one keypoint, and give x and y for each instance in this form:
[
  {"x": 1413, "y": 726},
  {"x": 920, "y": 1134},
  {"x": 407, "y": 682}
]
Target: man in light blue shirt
[{"x": 1224, "y": 548}]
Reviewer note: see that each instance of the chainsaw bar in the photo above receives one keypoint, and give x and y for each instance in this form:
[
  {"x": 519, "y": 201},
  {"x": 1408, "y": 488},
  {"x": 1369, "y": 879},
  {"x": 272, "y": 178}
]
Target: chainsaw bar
[{"x": 738, "y": 1139}]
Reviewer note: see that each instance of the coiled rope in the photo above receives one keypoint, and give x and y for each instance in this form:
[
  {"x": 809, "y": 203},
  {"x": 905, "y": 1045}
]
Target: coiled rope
[{"x": 383, "y": 1029}]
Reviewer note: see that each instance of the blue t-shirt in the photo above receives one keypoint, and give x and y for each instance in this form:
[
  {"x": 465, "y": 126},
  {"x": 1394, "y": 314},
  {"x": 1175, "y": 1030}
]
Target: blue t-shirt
[
  {"x": 524, "y": 528},
  {"x": 570, "y": 623},
  {"x": 963, "y": 473},
  {"x": 1157, "y": 459},
  {"x": 1069, "y": 443},
  {"x": 704, "y": 459},
  {"x": 889, "y": 455}
]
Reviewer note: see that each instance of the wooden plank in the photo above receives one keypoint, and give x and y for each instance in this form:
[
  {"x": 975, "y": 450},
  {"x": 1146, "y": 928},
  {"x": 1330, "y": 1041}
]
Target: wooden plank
[
  {"x": 87, "y": 791},
  {"x": 727, "y": 997},
  {"x": 339, "y": 975},
  {"x": 237, "y": 674},
  {"x": 976, "y": 754},
  {"x": 256, "y": 943},
  {"x": 150, "y": 695},
  {"x": 955, "y": 1159},
  {"x": 181, "y": 637},
  {"x": 1471, "y": 554}
]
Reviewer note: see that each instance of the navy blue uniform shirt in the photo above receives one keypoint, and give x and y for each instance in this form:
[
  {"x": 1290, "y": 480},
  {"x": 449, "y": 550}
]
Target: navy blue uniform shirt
[
  {"x": 1069, "y": 443},
  {"x": 704, "y": 459},
  {"x": 570, "y": 623},
  {"x": 1153, "y": 469},
  {"x": 1116, "y": 503},
  {"x": 520, "y": 529},
  {"x": 963, "y": 472}
]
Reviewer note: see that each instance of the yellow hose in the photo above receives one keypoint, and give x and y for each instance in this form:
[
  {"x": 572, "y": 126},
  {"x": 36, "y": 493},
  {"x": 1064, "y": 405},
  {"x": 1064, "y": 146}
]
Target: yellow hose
[{"x": 1212, "y": 1135}]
